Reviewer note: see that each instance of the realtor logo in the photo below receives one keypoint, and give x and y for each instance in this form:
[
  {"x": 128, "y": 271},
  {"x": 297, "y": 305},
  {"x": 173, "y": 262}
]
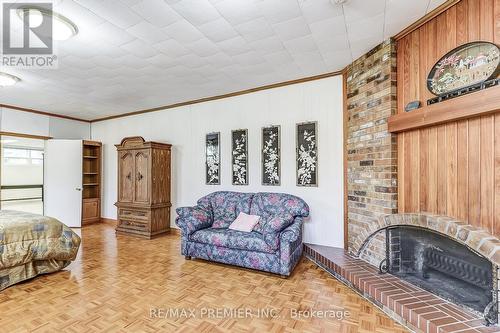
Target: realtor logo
[
  {"x": 27, "y": 29},
  {"x": 27, "y": 36}
]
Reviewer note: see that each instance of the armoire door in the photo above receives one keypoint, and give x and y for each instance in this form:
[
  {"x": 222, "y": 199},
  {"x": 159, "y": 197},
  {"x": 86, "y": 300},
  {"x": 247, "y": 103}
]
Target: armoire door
[
  {"x": 142, "y": 158},
  {"x": 127, "y": 176}
]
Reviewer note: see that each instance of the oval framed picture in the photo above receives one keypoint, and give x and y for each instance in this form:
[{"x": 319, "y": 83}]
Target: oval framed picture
[{"x": 464, "y": 66}]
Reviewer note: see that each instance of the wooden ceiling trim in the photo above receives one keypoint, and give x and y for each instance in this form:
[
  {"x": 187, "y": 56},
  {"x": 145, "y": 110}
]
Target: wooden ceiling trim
[{"x": 43, "y": 113}]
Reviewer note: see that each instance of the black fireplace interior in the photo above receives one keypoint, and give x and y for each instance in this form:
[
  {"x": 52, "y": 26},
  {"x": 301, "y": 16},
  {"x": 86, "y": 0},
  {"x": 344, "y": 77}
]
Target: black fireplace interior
[{"x": 442, "y": 266}]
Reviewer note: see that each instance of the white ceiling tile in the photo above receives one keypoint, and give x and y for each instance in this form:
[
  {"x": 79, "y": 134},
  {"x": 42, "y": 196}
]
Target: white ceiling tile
[
  {"x": 279, "y": 57},
  {"x": 268, "y": 45},
  {"x": 328, "y": 27},
  {"x": 208, "y": 71},
  {"x": 171, "y": 48},
  {"x": 147, "y": 32},
  {"x": 334, "y": 43},
  {"x": 161, "y": 61},
  {"x": 362, "y": 9},
  {"x": 301, "y": 44},
  {"x": 178, "y": 70},
  {"x": 203, "y": 47},
  {"x": 197, "y": 12},
  {"x": 362, "y": 46},
  {"x": 113, "y": 34},
  {"x": 234, "y": 46},
  {"x": 106, "y": 62},
  {"x": 399, "y": 12},
  {"x": 218, "y": 30},
  {"x": 183, "y": 32},
  {"x": 102, "y": 48},
  {"x": 139, "y": 48},
  {"x": 334, "y": 58},
  {"x": 293, "y": 28},
  {"x": 433, "y": 4},
  {"x": 137, "y": 54},
  {"x": 132, "y": 63},
  {"x": 255, "y": 29},
  {"x": 318, "y": 10},
  {"x": 364, "y": 28},
  {"x": 157, "y": 12},
  {"x": 288, "y": 67},
  {"x": 303, "y": 58},
  {"x": 238, "y": 11},
  {"x": 111, "y": 10},
  {"x": 220, "y": 60},
  {"x": 130, "y": 2},
  {"x": 280, "y": 10},
  {"x": 80, "y": 15},
  {"x": 248, "y": 58},
  {"x": 192, "y": 61}
]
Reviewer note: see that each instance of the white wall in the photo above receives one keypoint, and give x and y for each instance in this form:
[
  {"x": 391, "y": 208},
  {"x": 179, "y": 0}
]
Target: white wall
[
  {"x": 36, "y": 124},
  {"x": 185, "y": 129},
  {"x": 68, "y": 129}
]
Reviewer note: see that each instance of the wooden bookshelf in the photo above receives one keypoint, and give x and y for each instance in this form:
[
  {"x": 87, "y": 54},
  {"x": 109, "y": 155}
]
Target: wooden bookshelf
[{"x": 91, "y": 179}]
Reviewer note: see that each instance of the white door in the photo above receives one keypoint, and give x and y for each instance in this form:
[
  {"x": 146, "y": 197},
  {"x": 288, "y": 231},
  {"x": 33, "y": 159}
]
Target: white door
[{"x": 63, "y": 181}]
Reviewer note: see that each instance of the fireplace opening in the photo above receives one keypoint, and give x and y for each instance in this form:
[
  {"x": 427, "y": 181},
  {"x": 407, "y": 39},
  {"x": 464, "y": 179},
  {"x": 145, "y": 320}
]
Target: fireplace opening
[{"x": 442, "y": 266}]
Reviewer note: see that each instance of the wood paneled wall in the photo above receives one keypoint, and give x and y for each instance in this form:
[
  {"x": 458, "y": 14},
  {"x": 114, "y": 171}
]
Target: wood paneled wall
[{"x": 454, "y": 168}]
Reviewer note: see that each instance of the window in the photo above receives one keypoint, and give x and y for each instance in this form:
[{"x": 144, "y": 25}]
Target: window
[
  {"x": 21, "y": 174},
  {"x": 22, "y": 156}
]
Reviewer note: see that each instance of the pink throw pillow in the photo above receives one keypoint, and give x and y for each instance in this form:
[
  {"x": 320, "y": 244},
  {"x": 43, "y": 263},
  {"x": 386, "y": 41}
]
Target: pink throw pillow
[{"x": 244, "y": 222}]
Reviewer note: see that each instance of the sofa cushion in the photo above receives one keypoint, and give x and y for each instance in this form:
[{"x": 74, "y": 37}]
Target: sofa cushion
[
  {"x": 233, "y": 239},
  {"x": 272, "y": 228},
  {"x": 276, "y": 224},
  {"x": 268, "y": 205},
  {"x": 244, "y": 222},
  {"x": 285, "y": 219},
  {"x": 225, "y": 206}
]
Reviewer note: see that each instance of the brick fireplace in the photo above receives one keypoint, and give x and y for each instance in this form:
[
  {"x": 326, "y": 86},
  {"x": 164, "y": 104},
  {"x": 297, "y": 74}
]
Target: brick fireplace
[
  {"x": 477, "y": 241},
  {"x": 373, "y": 204}
]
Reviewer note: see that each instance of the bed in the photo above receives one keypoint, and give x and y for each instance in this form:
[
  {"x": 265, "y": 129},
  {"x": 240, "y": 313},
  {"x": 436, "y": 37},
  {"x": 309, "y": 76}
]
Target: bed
[{"x": 31, "y": 245}]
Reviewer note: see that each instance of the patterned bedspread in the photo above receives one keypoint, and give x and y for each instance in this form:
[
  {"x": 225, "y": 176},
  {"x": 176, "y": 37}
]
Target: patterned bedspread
[{"x": 31, "y": 245}]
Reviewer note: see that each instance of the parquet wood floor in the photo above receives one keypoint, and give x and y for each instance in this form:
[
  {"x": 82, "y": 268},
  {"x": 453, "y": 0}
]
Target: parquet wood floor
[{"x": 117, "y": 281}]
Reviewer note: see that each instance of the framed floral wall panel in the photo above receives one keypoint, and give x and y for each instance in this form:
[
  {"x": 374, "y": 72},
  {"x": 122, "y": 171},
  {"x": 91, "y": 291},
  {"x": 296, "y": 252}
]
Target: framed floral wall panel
[
  {"x": 271, "y": 155},
  {"x": 212, "y": 150},
  {"x": 307, "y": 154},
  {"x": 239, "y": 143}
]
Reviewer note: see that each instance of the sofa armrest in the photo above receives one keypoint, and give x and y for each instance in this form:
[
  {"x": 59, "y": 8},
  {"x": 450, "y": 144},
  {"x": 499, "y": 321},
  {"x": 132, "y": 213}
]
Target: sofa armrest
[
  {"x": 191, "y": 219},
  {"x": 293, "y": 231}
]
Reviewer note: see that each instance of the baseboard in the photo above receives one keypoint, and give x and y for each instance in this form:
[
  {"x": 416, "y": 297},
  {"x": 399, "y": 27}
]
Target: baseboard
[
  {"x": 110, "y": 221},
  {"x": 173, "y": 231}
]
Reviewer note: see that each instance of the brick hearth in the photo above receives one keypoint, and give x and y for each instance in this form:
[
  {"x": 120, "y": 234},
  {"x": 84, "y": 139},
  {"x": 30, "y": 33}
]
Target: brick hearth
[{"x": 416, "y": 308}]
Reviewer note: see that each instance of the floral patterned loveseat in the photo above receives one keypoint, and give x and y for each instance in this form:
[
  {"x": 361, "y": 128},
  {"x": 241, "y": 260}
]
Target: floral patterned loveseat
[{"x": 274, "y": 246}]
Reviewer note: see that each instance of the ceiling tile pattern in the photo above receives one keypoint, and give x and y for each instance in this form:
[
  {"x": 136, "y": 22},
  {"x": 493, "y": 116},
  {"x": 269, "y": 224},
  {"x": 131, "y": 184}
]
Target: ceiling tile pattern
[{"x": 138, "y": 54}]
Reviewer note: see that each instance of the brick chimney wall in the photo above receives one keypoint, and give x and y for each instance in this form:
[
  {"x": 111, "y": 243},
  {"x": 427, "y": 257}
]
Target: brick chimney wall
[{"x": 371, "y": 149}]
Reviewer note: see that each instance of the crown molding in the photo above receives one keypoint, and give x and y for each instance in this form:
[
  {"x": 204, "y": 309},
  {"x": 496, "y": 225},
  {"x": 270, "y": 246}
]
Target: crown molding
[{"x": 18, "y": 108}]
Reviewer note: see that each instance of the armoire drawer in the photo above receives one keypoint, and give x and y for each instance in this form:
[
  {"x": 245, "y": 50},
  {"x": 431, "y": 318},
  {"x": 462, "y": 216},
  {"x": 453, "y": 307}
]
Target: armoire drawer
[
  {"x": 135, "y": 225},
  {"x": 132, "y": 214}
]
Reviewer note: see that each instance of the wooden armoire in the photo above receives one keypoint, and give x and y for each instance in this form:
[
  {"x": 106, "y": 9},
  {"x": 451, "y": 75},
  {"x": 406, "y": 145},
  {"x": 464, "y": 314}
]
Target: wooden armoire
[{"x": 143, "y": 187}]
